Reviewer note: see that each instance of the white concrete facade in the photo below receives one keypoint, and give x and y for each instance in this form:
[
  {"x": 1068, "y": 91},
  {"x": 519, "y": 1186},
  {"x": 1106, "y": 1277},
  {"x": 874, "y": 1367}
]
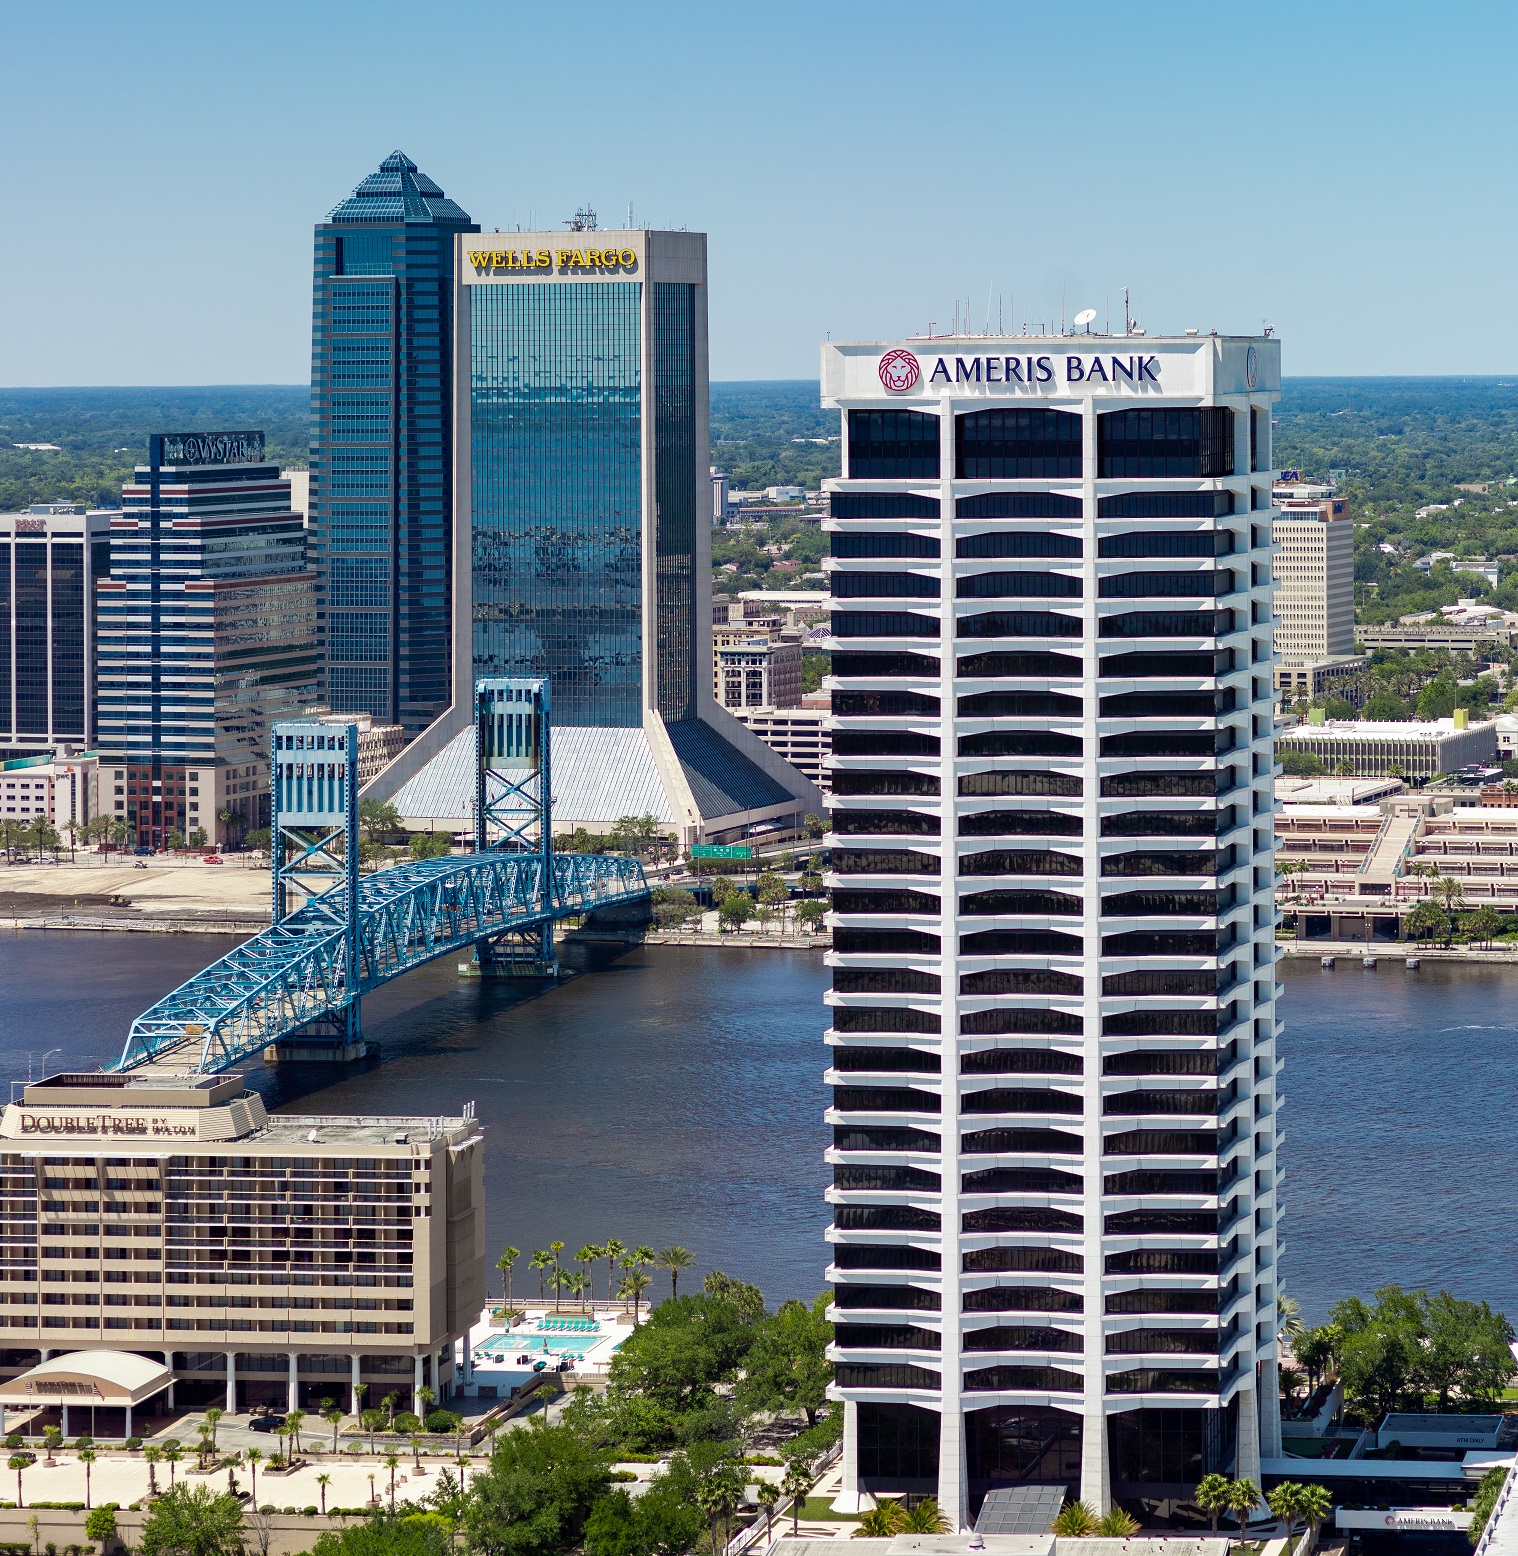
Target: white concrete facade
[
  {"x": 1315, "y": 581},
  {"x": 1054, "y": 1046}
]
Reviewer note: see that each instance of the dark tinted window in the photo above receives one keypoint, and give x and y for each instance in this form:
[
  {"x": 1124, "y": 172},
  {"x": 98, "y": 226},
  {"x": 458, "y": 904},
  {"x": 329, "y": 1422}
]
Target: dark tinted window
[
  {"x": 1019, "y": 942},
  {"x": 1021, "y": 1218},
  {"x": 1201, "y": 984},
  {"x": 1022, "y": 1299},
  {"x": 864, "y": 901},
  {"x": 1037, "y": 662},
  {"x": 1182, "y": 705},
  {"x": 847, "y": 663},
  {"x": 884, "y": 1218},
  {"x": 1185, "y": 1061},
  {"x": 1021, "y": 1061},
  {"x": 909, "y": 1297},
  {"x": 1163, "y": 904},
  {"x": 1015, "y": 624},
  {"x": 1027, "y": 1142},
  {"x": 888, "y": 861},
  {"x": 899, "y": 544},
  {"x": 1159, "y": 943},
  {"x": 1165, "y": 505},
  {"x": 1054, "y": 1260},
  {"x": 998, "y": 904},
  {"x": 1163, "y": 823},
  {"x": 1136, "y": 1104},
  {"x": 884, "y": 942},
  {"x": 1020, "y": 980},
  {"x": 1189, "y": 542},
  {"x": 892, "y": 586},
  {"x": 1149, "y": 1300},
  {"x": 890, "y": 783},
  {"x": 1008, "y": 1338},
  {"x": 1142, "y": 444},
  {"x": 1159, "y": 862},
  {"x": 883, "y": 1099},
  {"x": 1017, "y": 444},
  {"x": 1163, "y": 785},
  {"x": 849, "y": 823},
  {"x": 1153, "y": 586},
  {"x": 1020, "y": 861},
  {"x": 906, "y": 1060},
  {"x": 1169, "y": 742},
  {"x": 886, "y": 704},
  {"x": 1167, "y": 666},
  {"x": 884, "y": 980},
  {"x": 1016, "y": 586},
  {"x": 1160, "y": 1023},
  {"x": 877, "y": 1256},
  {"x": 1016, "y": 823},
  {"x": 1019, "y": 705},
  {"x": 988, "y": 1023},
  {"x": 883, "y": 742},
  {"x": 1017, "y": 543},
  {"x": 886, "y": 1337},
  {"x": 883, "y": 624},
  {"x": 892, "y": 445},
  {"x": 881, "y": 505},
  {"x": 1018, "y": 505},
  {"x": 993, "y": 784},
  {"x": 891, "y": 1018},
  {"x": 853, "y": 1137},
  {"x": 1003, "y": 1099},
  {"x": 1140, "y": 1342},
  {"x": 1162, "y": 1142}
]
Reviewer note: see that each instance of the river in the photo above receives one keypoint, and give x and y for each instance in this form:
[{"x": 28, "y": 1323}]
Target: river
[{"x": 673, "y": 1094}]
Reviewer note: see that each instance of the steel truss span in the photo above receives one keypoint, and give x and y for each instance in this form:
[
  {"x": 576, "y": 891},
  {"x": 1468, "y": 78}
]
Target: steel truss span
[{"x": 294, "y": 972}]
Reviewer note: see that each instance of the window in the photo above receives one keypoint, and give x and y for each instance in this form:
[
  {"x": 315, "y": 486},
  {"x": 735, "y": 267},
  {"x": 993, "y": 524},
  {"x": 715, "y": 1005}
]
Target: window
[
  {"x": 848, "y": 663},
  {"x": 1018, "y": 942},
  {"x": 883, "y": 704},
  {"x": 886, "y": 1337},
  {"x": 1201, "y": 984},
  {"x": 1008, "y": 1338},
  {"x": 1022, "y": 1218},
  {"x": 892, "y": 445},
  {"x": 1169, "y": 742},
  {"x": 1009, "y": 586},
  {"x": 1015, "y": 624},
  {"x": 869, "y": 586},
  {"x": 1166, "y": 823},
  {"x": 1196, "y": 542},
  {"x": 1161, "y": 1142},
  {"x": 1019, "y": 823},
  {"x": 1153, "y": 586},
  {"x": 885, "y": 783},
  {"x": 1019, "y": 505},
  {"x": 883, "y": 624},
  {"x": 1021, "y": 1061},
  {"x": 859, "y": 900},
  {"x": 1002, "y": 742},
  {"x": 1180, "y": 1223},
  {"x": 884, "y": 1218},
  {"x": 857, "y": 1018},
  {"x": 1019, "y": 705},
  {"x": 1165, "y": 943},
  {"x": 1021, "y": 1299},
  {"x": 910, "y": 1060},
  {"x": 999, "y": 783},
  {"x": 885, "y": 942},
  {"x": 1017, "y": 444},
  {"x": 885, "y": 505},
  {"x": 1149, "y": 705},
  {"x": 1053, "y": 1260},
  {"x": 1017, "y": 543},
  {"x": 883, "y": 1375},
  {"x": 879, "y": 861},
  {"x": 1035, "y": 663},
  {"x": 1002, "y": 1099},
  {"x": 881, "y": 1297},
  {"x": 898, "y": 544},
  {"x": 884, "y": 1256},
  {"x": 851, "y": 1137},
  {"x": 1165, "y": 785},
  {"x": 1142, "y": 444},
  {"x": 883, "y": 742},
  {"x": 1149, "y": 1300},
  {"x": 982, "y": 1023}
]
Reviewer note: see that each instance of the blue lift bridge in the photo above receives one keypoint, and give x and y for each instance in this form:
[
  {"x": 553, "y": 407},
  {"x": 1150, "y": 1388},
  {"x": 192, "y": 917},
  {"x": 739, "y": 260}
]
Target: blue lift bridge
[{"x": 337, "y": 933}]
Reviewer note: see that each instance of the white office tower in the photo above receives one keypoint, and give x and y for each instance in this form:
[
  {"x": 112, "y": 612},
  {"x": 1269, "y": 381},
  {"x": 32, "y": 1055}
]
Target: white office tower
[{"x": 1054, "y": 1003}]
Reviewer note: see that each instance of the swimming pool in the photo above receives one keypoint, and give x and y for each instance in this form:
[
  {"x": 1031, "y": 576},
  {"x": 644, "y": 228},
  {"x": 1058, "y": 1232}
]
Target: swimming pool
[{"x": 517, "y": 1343}]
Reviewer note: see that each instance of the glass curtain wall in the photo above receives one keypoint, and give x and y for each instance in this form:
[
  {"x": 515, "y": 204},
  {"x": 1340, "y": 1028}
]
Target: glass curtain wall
[{"x": 556, "y": 429}]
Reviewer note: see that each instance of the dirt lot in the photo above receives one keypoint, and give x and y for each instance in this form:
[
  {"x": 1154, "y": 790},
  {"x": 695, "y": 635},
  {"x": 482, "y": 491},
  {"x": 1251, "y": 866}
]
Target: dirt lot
[{"x": 167, "y": 887}]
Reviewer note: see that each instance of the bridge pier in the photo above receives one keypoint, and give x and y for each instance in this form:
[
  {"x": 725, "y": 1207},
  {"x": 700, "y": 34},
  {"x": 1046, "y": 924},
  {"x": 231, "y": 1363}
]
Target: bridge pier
[
  {"x": 519, "y": 953},
  {"x": 337, "y": 1038}
]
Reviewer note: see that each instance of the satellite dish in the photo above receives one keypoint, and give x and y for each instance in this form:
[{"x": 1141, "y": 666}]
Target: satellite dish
[{"x": 1085, "y": 316}]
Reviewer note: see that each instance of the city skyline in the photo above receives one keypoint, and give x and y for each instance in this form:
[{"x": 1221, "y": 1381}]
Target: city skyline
[{"x": 793, "y": 163}]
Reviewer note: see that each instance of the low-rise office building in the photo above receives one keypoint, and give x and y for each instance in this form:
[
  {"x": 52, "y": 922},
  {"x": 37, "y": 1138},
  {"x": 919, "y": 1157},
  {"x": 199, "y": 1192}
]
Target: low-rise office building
[
  {"x": 263, "y": 1260},
  {"x": 801, "y": 735},
  {"x": 59, "y": 789},
  {"x": 1376, "y": 749},
  {"x": 1438, "y": 634},
  {"x": 753, "y": 667}
]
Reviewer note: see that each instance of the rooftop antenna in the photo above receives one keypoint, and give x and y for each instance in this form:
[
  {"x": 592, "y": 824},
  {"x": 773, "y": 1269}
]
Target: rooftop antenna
[
  {"x": 629, "y": 216},
  {"x": 1107, "y": 315},
  {"x": 1084, "y": 317},
  {"x": 1127, "y": 317},
  {"x": 1062, "y": 310},
  {"x": 987, "y": 329}
]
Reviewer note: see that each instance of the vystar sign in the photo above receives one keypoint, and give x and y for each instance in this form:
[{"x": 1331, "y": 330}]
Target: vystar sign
[{"x": 901, "y": 371}]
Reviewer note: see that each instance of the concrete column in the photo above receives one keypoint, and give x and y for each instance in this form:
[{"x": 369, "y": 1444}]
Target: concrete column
[
  {"x": 1249, "y": 1436},
  {"x": 355, "y": 1387},
  {"x": 292, "y": 1398},
  {"x": 128, "y": 1420},
  {"x": 953, "y": 1483},
  {"x": 64, "y": 1409},
  {"x": 231, "y": 1383},
  {"x": 468, "y": 1359},
  {"x": 1096, "y": 1480},
  {"x": 1270, "y": 1408},
  {"x": 416, "y": 1386},
  {"x": 851, "y": 1499}
]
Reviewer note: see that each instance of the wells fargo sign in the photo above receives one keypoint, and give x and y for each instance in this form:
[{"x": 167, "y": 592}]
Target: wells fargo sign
[{"x": 547, "y": 260}]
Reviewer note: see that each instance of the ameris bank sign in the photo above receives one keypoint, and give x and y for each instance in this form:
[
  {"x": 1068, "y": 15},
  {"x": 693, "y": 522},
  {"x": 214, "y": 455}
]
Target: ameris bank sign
[{"x": 901, "y": 371}]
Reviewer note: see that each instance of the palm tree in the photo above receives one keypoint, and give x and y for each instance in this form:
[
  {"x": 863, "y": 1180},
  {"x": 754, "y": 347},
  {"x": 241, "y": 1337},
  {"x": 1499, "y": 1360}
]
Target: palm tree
[
  {"x": 416, "y": 1452},
  {"x": 1314, "y": 1504},
  {"x": 881, "y": 1522},
  {"x": 372, "y": 1421},
  {"x": 1211, "y": 1497},
  {"x": 1285, "y": 1501},
  {"x": 1289, "y": 1311},
  {"x": 293, "y": 1423},
  {"x": 153, "y": 1453},
  {"x": 1243, "y": 1498},
  {"x": 768, "y": 1494},
  {"x": 797, "y": 1481},
  {"x": 52, "y": 1437},
  {"x": 927, "y": 1517},
  {"x": 171, "y": 1457},
  {"x": 324, "y": 1481},
  {"x": 634, "y": 1284},
  {"x": 426, "y": 1398},
  {"x": 213, "y": 1416},
  {"x": 19, "y": 1462},
  {"x": 230, "y": 1464},
  {"x": 587, "y": 1257},
  {"x": 1115, "y": 1524},
  {"x": 540, "y": 1262},
  {"x": 613, "y": 1251},
  {"x": 392, "y": 1461},
  {"x": 253, "y": 1455},
  {"x": 556, "y": 1249},
  {"x": 333, "y": 1417},
  {"x": 674, "y": 1259},
  {"x": 1074, "y": 1521},
  {"x": 86, "y": 1458},
  {"x": 504, "y": 1264}
]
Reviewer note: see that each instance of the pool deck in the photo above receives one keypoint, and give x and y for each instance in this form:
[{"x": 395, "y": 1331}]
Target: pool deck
[{"x": 492, "y": 1361}]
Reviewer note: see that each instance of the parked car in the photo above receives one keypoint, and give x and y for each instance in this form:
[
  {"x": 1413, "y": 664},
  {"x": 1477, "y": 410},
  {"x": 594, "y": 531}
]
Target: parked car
[
  {"x": 267, "y": 1423},
  {"x": 144, "y": 851},
  {"x": 211, "y": 859}
]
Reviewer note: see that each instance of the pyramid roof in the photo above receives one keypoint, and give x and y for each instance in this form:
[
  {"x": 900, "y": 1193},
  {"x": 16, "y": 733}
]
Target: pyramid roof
[{"x": 397, "y": 192}]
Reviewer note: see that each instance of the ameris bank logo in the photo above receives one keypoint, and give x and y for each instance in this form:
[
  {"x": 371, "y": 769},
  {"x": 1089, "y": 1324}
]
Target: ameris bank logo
[{"x": 899, "y": 371}]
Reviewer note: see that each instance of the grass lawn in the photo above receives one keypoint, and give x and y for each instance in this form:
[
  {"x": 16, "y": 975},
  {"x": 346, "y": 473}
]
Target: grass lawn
[{"x": 816, "y": 1510}]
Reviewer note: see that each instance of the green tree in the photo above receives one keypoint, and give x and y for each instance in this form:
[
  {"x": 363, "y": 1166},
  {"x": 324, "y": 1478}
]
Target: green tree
[
  {"x": 813, "y": 825},
  {"x": 540, "y": 1261},
  {"x": 1317, "y": 1351},
  {"x": 797, "y": 1481},
  {"x": 87, "y": 1457},
  {"x": 674, "y": 1259},
  {"x": 1243, "y": 1498},
  {"x": 506, "y": 1264},
  {"x": 20, "y": 1462},
  {"x": 1300, "y": 764},
  {"x": 634, "y": 1284},
  {"x": 927, "y": 1517},
  {"x": 1381, "y": 1352},
  {"x": 1211, "y": 1496},
  {"x": 811, "y": 912},
  {"x": 1466, "y": 1347},
  {"x": 881, "y": 1522},
  {"x": 1437, "y": 699},
  {"x": 377, "y": 819},
  {"x": 787, "y": 1366},
  {"x": 1115, "y": 1524},
  {"x": 1385, "y": 708},
  {"x": 1483, "y": 925},
  {"x": 429, "y": 845},
  {"x": 198, "y": 837},
  {"x": 1074, "y": 1521},
  {"x": 656, "y": 1524},
  {"x": 537, "y": 1493},
  {"x": 192, "y": 1521},
  {"x": 1428, "y": 921},
  {"x": 1285, "y": 1501},
  {"x": 734, "y": 912},
  {"x": 100, "y": 1526},
  {"x": 673, "y": 905}
]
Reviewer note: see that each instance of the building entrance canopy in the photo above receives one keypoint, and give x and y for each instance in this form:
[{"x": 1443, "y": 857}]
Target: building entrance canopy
[{"x": 88, "y": 1378}]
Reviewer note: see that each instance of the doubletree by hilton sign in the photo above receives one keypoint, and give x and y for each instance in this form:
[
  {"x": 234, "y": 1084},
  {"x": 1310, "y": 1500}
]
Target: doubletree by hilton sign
[{"x": 141, "y": 1125}]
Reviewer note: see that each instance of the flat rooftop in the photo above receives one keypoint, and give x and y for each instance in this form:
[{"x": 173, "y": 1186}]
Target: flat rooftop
[
  {"x": 1336, "y": 791},
  {"x": 1389, "y": 729}
]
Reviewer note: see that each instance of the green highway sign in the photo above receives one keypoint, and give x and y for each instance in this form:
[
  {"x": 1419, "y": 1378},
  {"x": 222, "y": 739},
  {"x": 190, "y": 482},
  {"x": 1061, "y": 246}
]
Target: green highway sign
[{"x": 723, "y": 851}]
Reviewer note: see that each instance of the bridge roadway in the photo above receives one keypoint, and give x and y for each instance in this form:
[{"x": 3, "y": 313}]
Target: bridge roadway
[{"x": 294, "y": 973}]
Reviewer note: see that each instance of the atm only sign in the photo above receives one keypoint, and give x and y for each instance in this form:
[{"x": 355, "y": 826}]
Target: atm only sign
[{"x": 901, "y": 371}]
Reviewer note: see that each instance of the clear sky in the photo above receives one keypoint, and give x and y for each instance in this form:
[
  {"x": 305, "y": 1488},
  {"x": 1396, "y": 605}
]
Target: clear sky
[{"x": 1340, "y": 168}]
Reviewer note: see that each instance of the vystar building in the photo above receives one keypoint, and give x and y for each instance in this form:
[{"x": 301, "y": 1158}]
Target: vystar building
[{"x": 1053, "y": 1039}]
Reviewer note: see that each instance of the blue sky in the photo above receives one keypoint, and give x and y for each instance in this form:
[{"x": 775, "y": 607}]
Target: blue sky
[{"x": 1340, "y": 170}]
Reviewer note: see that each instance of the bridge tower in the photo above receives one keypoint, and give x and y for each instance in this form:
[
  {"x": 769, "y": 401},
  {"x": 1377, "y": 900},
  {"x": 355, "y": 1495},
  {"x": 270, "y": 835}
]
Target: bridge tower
[
  {"x": 313, "y": 854},
  {"x": 513, "y": 812}
]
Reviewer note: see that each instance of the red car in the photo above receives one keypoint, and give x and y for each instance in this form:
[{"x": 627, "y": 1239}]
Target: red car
[{"x": 211, "y": 859}]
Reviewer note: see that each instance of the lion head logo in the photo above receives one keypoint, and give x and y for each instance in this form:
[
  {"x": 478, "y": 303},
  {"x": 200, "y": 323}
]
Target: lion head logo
[{"x": 899, "y": 371}]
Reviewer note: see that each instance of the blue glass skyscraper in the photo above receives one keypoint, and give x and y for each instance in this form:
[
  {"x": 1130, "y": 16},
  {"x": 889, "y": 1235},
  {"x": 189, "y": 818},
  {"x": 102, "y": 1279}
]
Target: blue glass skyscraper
[{"x": 381, "y": 441}]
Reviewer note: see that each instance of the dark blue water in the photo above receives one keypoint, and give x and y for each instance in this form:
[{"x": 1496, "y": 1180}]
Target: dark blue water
[{"x": 674, "y": 1095}]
